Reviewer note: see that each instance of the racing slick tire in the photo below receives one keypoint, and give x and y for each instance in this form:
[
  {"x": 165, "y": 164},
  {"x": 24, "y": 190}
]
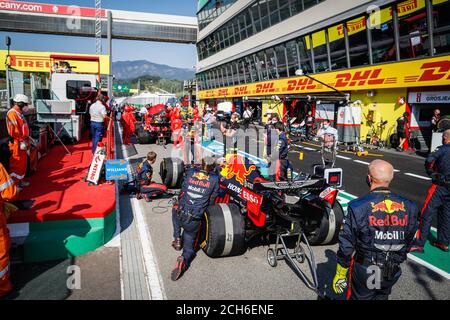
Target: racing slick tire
[
  {"x": 144, "y": 137},
  {"x": 224, "y": 231},
  {"x": 329, "y": 228},
  {"x": 171, "y": 171}
]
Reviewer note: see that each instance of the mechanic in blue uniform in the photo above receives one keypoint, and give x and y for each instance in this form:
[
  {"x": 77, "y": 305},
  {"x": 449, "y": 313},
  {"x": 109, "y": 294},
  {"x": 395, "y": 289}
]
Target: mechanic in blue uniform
[
  {"x": 270, "y": 135},
  {"x": 199, "y": 190},
  {"x": 147, "y": 188},
  {"x": 437, "y": 202},
  {"x": 282, "y": 163},
  {"x": 379, "y": 230}
]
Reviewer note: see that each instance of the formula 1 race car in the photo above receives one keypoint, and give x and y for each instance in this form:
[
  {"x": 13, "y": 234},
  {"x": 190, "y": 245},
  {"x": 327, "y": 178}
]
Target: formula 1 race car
[
  {"x": 250, "y": 205},
  {"x": 155, "y": 126}
]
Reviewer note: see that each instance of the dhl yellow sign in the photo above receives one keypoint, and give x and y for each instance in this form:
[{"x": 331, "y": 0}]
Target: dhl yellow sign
[
  {"x": 418, "y": 73},
  {"x": 32, "y": 61}
]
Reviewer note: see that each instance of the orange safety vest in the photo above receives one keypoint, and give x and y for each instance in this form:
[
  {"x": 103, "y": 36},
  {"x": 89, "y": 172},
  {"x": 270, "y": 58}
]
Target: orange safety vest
[
  {"x": 7, "y": 192},
  {"x": 17, "y": 125}
]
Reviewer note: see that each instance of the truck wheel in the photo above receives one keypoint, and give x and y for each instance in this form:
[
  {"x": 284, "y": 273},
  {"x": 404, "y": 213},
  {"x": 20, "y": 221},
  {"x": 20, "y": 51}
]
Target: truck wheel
[
  {"x": 144, "y": 136},
  {"x": 224, "y": 231},
  {"x": 329, "y": 228},
  {"x": 171, "y": 171}
]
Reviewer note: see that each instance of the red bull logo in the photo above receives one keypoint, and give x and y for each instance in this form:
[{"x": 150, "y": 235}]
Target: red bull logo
[
  {"x": 388, "y": 206},
  {"x": 201, "y": 176},
  {"x": 235, "y": 167}
]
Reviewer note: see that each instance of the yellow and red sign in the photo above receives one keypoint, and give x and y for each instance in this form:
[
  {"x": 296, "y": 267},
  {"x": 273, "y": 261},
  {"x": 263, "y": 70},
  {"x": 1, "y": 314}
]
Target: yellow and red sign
[
  {"x": 33, "y": 61},
  {"x": 418, "y": 73}
]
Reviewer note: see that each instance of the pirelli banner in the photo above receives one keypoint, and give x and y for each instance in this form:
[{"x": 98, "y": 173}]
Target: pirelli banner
[
  {"x": 418, "y": 73},
  {"x": 33, "y": 61}
]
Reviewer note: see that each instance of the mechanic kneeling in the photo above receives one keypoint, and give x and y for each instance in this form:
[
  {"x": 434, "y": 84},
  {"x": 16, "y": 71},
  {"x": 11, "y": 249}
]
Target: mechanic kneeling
[
  {"x": 198, "y": 191},
  {"x": 147, "y": 188},
  {"x": 379, "y": 230}
]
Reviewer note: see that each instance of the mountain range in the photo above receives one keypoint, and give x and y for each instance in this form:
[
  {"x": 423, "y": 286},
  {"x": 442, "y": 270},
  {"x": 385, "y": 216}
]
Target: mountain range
[{"x": 133, "y": 69}]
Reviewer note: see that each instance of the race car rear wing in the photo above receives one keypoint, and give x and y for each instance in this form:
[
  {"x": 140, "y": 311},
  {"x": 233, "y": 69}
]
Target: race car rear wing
[{"x": 291, "y": 185}]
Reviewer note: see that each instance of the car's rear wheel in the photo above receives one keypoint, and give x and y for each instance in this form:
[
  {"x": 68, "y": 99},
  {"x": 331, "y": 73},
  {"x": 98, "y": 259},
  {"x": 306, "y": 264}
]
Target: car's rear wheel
[
  {"x": 144, "y": 136},
  {"x": 223, "y": 231},
  {"x": 328, "y": 230},
  {"x": 171, "y": 171}
]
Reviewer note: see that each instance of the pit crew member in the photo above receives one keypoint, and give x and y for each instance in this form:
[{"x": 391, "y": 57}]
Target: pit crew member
[
  {"x": 199, "y": 190},
  {"x": 438, "y": 200},
  {"x": 148, "y": 189},
  {"x": 378, "y": 232}
]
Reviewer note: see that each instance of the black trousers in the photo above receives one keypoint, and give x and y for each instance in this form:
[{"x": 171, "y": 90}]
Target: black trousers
[
  {"x": 365, "y": 285},
  {"x": 436, "y": 203}
]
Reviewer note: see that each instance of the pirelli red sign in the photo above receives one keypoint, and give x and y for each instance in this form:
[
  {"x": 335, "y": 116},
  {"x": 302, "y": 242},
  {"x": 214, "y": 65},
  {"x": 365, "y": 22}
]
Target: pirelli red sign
[{"x": 418, "y": 73}]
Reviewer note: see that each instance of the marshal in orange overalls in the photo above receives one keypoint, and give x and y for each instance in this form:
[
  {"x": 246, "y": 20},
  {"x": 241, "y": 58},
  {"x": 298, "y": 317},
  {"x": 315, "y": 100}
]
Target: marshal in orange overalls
[
  {"x": 7, "y": 192},
  {"x": 19, "y": 131}
]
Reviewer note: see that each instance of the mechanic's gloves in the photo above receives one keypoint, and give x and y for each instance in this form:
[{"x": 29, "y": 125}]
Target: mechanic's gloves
[
  {"x": 340, "y": 279},
  {"x": 23, "y": 145}
]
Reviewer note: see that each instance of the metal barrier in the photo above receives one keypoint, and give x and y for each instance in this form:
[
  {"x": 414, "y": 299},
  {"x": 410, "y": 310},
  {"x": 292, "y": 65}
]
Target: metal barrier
[{"x": 110, "y": 152}]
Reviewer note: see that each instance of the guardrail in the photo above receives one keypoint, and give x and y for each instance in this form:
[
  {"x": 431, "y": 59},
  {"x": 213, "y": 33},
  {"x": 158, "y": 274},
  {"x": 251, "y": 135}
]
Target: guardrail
[{"x": 110, "y": 152}]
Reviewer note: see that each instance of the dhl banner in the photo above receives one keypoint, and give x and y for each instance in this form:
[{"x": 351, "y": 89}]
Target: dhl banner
[
  {"x": 418, "y": 73},
  {"x": 32, "y": 61}
]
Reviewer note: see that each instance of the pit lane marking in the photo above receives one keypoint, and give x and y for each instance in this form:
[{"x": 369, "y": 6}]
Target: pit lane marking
[
  {"x": 429, "y": 266},
  {"x": 154, "y": 282},
  {"x": 342, "y": 157},
  {"x": 362, "y": 162},
  {"x": 417, "y": 176}
]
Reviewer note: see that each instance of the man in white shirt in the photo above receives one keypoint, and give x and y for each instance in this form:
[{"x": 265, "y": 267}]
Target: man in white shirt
[
  {"x": 327, "y": 132},
  {"x": 97, "y": 112},
  {"x": 142, "y": 112},
  {"x": 247, "y": 117}
]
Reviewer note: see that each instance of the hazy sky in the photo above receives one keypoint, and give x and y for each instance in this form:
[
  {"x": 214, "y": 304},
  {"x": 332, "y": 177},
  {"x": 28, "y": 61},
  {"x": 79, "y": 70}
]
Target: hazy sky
[{"x": 177, "y": 55}]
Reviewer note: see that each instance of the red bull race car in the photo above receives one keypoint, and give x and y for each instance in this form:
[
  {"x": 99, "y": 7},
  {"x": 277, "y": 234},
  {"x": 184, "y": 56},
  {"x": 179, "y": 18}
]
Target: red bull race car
[{"x": 250, "y": 206}]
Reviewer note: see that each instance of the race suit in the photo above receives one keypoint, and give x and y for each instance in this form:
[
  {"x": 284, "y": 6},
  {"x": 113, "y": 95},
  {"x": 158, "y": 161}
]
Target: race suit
[
  {"x": 128, "y": 124},
  {"x": 18, "y": 130},
  {"x": 7, "y": 192},
  {"x": 198, "y": 191},
  {"x": 438, "y": 200},
  {"x": 378, "y": 232},
  {"x": 148, "y": 188},
  {"x": 282, "y": 164}
]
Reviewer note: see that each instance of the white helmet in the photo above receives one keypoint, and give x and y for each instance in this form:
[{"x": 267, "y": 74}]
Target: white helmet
[{"x": 21, "y": 98}]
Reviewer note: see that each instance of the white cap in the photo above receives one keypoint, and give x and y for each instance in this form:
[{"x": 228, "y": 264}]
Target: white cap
[
  {"x": 21, "y": 98},
  {"x": 269, "y": 111}
]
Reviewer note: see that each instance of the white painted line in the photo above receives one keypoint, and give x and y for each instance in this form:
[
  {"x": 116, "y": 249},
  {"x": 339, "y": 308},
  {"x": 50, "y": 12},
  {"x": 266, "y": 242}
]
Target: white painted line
[
  {"x": 153, "y": 277},
  {"x": 303, "y": 147},
  {"x": 417, "y": 176},
  {"x": 395, "y": 170},
  {"x": 122, "y": 287},
  {"x": 362, "y": 162},
  {"x": 429, "y": 266},
  {"x": 342, "y": 157}
]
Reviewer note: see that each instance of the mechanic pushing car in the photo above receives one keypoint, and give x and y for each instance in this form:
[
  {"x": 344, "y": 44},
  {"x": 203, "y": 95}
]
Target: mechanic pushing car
[
  {"x": 148, "y": 189},
  {"x": 199, "y": 190},
  {"x": 438, "y": 199},
  {"x": 378, "y": 232}
]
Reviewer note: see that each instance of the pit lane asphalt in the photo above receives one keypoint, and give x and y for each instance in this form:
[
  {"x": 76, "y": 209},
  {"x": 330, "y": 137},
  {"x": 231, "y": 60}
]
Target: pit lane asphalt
[{"x": 250, "y": 277}]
